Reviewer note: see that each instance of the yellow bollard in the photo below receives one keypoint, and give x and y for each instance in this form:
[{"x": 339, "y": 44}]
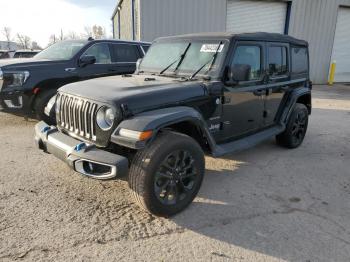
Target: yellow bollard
[{"x": 332, "y": 73}]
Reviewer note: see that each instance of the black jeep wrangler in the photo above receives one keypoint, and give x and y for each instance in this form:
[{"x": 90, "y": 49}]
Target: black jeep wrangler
[
  {"x": 27, "y": 84},
  {"x": 212, "y": 93}
]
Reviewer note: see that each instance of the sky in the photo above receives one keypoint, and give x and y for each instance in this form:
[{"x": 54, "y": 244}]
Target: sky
[{"x": 41, "y": 18}]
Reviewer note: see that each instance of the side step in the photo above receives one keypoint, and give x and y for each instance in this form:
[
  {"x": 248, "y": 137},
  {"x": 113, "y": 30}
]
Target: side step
[{"x": 247, "y": 142}]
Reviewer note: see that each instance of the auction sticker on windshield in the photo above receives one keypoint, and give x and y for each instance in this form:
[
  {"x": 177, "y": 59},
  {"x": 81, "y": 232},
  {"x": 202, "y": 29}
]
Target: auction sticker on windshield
[{"x": 211, "y": 48}]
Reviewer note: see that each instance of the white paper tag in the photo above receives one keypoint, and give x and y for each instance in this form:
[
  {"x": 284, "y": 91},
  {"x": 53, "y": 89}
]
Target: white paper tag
[{"x": 211, "y": 48}]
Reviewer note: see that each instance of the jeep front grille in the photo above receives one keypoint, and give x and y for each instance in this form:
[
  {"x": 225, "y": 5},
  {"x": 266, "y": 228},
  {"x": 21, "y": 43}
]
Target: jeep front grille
[{"x": 77, "y": 116}]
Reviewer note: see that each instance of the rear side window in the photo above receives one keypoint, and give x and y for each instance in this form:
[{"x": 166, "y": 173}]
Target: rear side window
[
  {"x": 249, "y": 55},
  {"x": 124, "y": 53},
  {"x": 278, "y": 61},
  {"x": 300, "y": 62}
]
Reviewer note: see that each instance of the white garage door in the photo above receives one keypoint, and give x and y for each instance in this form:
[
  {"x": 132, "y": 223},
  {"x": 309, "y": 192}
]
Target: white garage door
[
  {"x": 256, "y": 16},
  {"x": 341, "y": 48}
]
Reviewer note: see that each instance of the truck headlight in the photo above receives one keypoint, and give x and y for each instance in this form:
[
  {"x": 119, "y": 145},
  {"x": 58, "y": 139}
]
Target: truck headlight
[
  {"x": 105, "y": 117},
  {"x": 15, "y": 78}
]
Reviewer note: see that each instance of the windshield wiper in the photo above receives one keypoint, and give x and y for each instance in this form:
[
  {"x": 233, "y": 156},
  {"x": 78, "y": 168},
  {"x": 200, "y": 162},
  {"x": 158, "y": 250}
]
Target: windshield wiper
[
  {"x": 180, "y": 59},
  {"x": 211, "y": 61}
]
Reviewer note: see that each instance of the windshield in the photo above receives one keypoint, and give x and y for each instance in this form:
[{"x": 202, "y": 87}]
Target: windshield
[
  {"x": 168, "y": 56},
  {"x": 61, "y": 51}
]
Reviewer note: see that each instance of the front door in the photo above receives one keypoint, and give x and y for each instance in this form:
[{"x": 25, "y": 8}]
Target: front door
[
  {"x": 243, "y": 108},
  {"x": 278, "y": 70},
  {"x": 103, "y": 65}
]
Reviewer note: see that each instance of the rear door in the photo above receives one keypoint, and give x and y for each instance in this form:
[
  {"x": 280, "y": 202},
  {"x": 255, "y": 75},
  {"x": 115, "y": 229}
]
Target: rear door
[
  {"x": 244, "y": 103},
  {"x": 278, "y": 67},
  {"x": 124, "y": 57}
]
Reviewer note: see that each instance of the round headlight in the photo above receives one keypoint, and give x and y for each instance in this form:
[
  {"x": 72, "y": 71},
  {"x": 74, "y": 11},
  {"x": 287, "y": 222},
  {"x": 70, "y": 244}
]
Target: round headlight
[{"x": 105, "y": 118}]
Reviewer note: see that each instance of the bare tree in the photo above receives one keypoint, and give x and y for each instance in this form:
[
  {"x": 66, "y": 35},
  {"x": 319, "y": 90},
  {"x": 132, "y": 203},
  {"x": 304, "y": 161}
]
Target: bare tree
[
  {"x": 53, "y": 39},
  {"x": 62, "y": 37},
  {"x": 72, "y": 35},
  {"x": 98, "y": 32},
  {"x": 36, "y": 46},
  {"x": 6, "y": 31},
  {"x": 87, "y": 32},
  {"x": 23, "y": 41}
]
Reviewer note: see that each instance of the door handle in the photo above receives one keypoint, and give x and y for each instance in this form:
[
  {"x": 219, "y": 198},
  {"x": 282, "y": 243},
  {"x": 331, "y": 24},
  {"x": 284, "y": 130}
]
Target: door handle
[{"x": 259, "y": 92}]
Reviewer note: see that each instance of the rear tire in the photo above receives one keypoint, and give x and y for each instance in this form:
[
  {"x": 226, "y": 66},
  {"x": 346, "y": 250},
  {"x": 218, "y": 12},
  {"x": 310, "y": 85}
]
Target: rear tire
[
  {"x": 41, "y": 102},
  {"x": 166, "y": 176},
  {"x": 296, "y": 128}
]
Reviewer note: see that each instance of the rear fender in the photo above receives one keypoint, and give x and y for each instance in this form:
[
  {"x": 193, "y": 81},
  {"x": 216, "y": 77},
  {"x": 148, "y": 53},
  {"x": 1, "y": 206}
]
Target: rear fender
[{"x": 302, "y": 93}]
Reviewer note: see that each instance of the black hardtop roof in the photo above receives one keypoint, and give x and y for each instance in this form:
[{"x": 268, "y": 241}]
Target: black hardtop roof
[{"x": 258, "y": 36}]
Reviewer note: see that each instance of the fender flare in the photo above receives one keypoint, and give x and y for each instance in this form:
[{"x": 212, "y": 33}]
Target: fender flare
[
  {"x": 292, "y": 100},
  {"x": 158, "y": 119}
]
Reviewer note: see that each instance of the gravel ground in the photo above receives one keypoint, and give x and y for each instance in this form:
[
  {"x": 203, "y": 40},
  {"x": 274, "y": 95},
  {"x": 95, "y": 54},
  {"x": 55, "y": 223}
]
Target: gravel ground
[{"x": 264, "y": 204}]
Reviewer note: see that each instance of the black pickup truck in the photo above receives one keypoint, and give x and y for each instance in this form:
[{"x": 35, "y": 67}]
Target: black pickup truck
[
  {"x": 26, "y": 85},
  {"x": 193, "y": 94}
]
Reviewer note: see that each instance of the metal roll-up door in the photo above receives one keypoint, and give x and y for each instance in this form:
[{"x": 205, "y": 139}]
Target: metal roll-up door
[
  {"x": 256, "y": 16},
  {"x": 341, "y": 48}
]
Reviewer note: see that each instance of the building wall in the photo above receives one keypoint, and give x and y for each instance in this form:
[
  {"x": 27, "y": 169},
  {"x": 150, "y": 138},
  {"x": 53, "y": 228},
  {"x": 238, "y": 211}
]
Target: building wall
[
  {"x": 172, "y": 17},
  {"x": 4, "y": 45},
  {"x": 125, "y": 19},
  {"x": 315, "y": 21}
]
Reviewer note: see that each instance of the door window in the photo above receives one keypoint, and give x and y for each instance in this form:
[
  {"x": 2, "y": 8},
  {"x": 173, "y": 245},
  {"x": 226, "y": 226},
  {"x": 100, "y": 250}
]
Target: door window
[
  {"x": 123, "y": 53},
  {"x": 278, "y": 61},
  {"x": 251, "y": 56},
  {"x": 100, "y": 52}
]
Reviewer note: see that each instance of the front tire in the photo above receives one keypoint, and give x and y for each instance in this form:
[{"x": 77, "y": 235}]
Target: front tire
[
  {"x": 166, "y": 176},
  {"x": 296, "y": 128},
  {"x": 41, "y": 102}
]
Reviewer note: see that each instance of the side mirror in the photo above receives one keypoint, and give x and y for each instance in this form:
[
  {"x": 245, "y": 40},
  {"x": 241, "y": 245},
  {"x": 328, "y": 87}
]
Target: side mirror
[
  {"x": 87, "y": 60},
  {"x": 237, "y": 73},
  {"x": 138, "y": 63}
]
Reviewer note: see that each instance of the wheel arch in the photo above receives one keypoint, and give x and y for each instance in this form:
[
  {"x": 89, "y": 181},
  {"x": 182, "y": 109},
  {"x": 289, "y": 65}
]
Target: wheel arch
[
  {"x": 299, "y": 95},
  {"x": 47, "y": 85},
  {"x": 181, "y": 119},
  {"x": 305, "y": 99}
]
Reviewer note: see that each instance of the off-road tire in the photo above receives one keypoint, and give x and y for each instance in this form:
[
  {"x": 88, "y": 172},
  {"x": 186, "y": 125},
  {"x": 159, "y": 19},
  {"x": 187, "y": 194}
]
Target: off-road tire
[
  {"x": 146, "y": 163},
  {"x": 299, "y": 118},
  {"x": 41, "y": 102}
]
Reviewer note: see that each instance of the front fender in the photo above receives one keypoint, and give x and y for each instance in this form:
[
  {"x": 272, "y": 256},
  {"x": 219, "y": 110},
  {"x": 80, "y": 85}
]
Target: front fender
[{"x": 158, "y": 119}]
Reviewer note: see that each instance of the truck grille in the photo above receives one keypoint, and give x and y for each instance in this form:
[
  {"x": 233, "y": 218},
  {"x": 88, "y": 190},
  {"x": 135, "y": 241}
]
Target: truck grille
[{"x": 77, "y": 115}]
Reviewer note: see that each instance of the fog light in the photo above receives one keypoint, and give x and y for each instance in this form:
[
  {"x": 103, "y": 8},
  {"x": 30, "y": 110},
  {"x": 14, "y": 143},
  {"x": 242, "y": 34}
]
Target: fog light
[{"x": 10, "y": 104}]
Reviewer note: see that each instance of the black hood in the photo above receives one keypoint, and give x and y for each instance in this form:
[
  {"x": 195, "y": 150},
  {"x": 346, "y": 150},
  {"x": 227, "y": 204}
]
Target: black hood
[
  {"x": 137, "y": 91},
  {"x": 27, "y": 63}
]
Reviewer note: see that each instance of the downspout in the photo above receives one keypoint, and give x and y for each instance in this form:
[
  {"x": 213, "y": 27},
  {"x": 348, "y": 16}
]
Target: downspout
[
  {"x": 133, "y": 18},
  {"x": 113, "y": 27},
  {"x": 289, "y": 9},
  {"x": 119, "y": 27}
]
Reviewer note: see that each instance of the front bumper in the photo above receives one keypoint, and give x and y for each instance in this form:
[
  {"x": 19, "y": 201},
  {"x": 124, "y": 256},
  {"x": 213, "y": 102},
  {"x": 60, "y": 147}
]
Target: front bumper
[
  {"x": 84, "y": 159},
  {"x": 15, "y": 102}
]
